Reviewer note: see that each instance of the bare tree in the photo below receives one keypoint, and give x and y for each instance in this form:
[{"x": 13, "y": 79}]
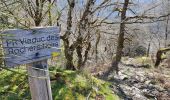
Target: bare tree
[
  {"x": 69, "y": 49},
  {"x": 121, "y": 36},
  {"x": 82, "y": 35},
  {"x": 37, "y": 10}
]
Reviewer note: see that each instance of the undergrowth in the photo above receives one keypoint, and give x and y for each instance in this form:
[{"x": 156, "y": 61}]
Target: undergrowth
[{"x": 66, "y": 85}]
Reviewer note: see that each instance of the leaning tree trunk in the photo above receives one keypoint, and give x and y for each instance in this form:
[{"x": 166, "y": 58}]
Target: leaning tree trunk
[{"x": 120, "y": 37}]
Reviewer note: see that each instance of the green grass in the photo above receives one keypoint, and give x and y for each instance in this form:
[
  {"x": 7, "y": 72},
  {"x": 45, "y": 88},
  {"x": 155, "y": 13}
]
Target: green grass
[
  {"x": 13, "y": 86},
  {"x": 68, "y": 85},
  {"x": 78, "y": 86}
]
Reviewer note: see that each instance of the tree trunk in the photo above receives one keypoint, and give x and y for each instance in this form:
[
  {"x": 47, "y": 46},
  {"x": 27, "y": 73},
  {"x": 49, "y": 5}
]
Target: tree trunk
[
  {"x": 83, "y": 27},
  {"x": 1, "y": 55},
  {"x": 96, "y": 45},
  {"x": 69, "y": 61},
  {"x": 159, "y": 55},
  {"x": 158, "y": 58},
  {"x": 86, "y": 53},
  {"x": 120, "y": 37},
  {"x": 79, "y": 52},
  {"x": 68, "y": 50},
  {"x": 49, "y": 14},
  {"x": 166, "y": 31},
  {"x": 148, "y": 50}
]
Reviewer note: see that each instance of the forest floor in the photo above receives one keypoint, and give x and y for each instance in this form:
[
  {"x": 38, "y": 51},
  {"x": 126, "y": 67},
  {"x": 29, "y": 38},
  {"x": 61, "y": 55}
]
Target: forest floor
[
  {"x": 65, "y": 85},
  {"x": 139, "y": 81}
]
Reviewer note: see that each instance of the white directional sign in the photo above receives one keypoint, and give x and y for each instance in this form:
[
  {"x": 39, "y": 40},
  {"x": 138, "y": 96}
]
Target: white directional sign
[{"x": 22, "y": 46}]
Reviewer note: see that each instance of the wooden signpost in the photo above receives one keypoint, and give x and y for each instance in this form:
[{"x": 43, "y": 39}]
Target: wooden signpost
[{"x": 32, "y": 47}]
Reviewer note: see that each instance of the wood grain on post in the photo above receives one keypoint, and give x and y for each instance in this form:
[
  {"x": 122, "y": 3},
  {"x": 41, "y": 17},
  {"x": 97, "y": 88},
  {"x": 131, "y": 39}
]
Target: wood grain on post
[{"x": 39, "y": 80}]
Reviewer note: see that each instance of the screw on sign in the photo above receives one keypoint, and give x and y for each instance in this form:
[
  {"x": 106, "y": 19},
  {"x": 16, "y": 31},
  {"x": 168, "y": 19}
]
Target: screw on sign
[{"x": 32, "y": 47}]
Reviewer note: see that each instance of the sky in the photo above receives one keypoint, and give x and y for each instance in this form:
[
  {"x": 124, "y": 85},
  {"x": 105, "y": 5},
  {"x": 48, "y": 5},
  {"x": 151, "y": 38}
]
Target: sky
[{"x": 141, "y": 5}]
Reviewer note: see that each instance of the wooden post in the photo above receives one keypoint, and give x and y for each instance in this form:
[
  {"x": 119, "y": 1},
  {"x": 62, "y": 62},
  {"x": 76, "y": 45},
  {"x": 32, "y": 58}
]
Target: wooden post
[{"x": 39, "y": 80}]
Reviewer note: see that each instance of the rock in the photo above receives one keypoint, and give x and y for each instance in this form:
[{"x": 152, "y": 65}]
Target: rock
[
  {"x": 163, "y": 96},
  {"x": 142, "y": 84},
  {"x": 139, "y": 97},
  {"x": 147, "y": 82},
  {"x": 129, "y": 61},
  {"x": 123, "y": 77},
  {"x": 149, "y": 95},
  {"x": 159, "y": 88}
]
